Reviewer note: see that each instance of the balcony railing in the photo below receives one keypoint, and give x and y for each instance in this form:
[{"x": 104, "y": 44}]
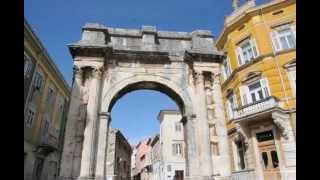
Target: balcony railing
[
  {"x": 244, "y": 175},
  {"x": 49, "y": 137},
  {"x": 256, "y": 107}
]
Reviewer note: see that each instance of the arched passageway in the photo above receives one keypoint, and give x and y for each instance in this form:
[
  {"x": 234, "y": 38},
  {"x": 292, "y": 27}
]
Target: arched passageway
[{"x": 112, "y": 62}]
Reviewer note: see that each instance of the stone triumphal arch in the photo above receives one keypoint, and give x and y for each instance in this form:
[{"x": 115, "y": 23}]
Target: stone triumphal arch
[{"x": 110, "y": 62}]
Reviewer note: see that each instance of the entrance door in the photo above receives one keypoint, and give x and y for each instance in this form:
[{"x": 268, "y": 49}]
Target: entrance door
[
  {"x": 268, "y": 155},
  {"x": 178, "y": 175}
]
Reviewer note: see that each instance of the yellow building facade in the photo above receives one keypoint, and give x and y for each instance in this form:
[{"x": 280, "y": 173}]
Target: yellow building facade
[
  {"x": 259, "y": 88},
  {"x": 45, "y": 105}
]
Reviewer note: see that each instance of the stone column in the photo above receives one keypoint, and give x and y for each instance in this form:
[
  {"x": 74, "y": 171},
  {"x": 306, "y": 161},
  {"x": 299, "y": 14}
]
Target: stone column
[
  {"x": 203, "y": 137},
  {"x": 67, "y": 164},
  {"x": 191, "y": 155},
  {"x": 101, "y": 165},
  {"x": 224, "y": 168},
  {"x": 87, "y": 169}
]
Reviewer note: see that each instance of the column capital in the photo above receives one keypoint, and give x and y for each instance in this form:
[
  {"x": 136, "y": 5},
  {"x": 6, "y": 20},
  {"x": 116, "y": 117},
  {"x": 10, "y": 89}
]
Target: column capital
[
  {"x": 97, "y": 72},
  {"x": 198, "y": 76},
  {"x": 216, "y": 78},
  {"x": 77, "y": 71},
  {"x": 185, "y": 118}
]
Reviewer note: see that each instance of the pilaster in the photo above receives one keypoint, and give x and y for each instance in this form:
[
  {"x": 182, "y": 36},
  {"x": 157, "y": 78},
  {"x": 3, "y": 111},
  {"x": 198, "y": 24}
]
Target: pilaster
[
  {"x": 203, "y": 136},
  {"x": 101, "y": 164},
  {"x": 87, "y": 170},
  {"x": 67, "y": 160}
]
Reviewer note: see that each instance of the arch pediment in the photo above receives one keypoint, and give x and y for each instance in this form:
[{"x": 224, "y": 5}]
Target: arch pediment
[{"x": 251, "y": 77}]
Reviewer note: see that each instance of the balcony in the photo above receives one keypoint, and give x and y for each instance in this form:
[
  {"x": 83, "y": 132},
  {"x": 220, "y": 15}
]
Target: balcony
[
  {"x": 244, "y": 175},
  {"x": 49, "y": 139},
  {"x": 255, "y": 108}
]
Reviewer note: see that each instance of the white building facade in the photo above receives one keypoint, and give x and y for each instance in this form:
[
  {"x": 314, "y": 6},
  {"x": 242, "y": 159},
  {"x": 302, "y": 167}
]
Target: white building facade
[{"x": 171, "y": 144}]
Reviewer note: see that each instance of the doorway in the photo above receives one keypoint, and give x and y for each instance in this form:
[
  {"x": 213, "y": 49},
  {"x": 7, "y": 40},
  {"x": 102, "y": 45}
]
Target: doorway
[
  {"x": 268, "y": 155},
  {"x": 178, "y": 175}
]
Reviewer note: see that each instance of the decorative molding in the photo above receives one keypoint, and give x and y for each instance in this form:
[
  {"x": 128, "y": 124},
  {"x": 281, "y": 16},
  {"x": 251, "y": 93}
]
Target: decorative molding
[
  {"x": 281, "y": 121},
  {"x": 251, "y": 77},
  {"x": 97, "y": 72},
  {"x": 77, "y": 71},
  {"x": 290, "y": 64}
]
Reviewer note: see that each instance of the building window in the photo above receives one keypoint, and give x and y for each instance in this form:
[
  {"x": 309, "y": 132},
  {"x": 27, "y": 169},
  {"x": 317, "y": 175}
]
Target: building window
[
  {"x": 231, "y": 103},
  {"x": 247, "y": 51},
  {"x": 169, "y": 168},
  {"x": 38, "y": 81},
  {"x": 27, "y": 66},
  {"x": 291, "y": 69},
  {"x": 283, "y": 37},
  {"x": 226, "y": 68},
  {"x": 142, "y": 157},
  {"x": 240, "y": 155},
  {"x": 274, "y": 158},
  {"x": 30, "y": 117},
  {"x": 51, "y": 96},
  {"x": 176, "y": 149},
  {"x": 254, "y": 92},
  {"x": 177, "y": 126}
]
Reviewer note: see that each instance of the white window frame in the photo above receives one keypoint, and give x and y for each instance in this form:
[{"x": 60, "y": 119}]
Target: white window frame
[
  {"x": 231, "y": 107},
  {"x": 292, "y": 79},
  {"x": 29, "y": 119},
  {"x": 252, "y": 47},
  {"x": 38, "y": 81},
  {"x": 246, "y": 95},
  {"x": 177, "y": 126},
  {"x": 275, "y": 37},
  {"x": 177, "y": 149},
  {"x": 27, "y": 65},
  {"x": 237, "y": 159},
  {"x": 51, "y": 96},
  {"x": 226, "y": 66}
]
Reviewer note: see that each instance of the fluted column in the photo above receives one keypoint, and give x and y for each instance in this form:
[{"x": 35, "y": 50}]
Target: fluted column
[
  {"x": 224, "y": 168},
  {"x": 89, "y": 144},
  {"x": 67, "y": 159},
  {"x": 205, "y": 162},
  {"x": 101, "y": 166}
]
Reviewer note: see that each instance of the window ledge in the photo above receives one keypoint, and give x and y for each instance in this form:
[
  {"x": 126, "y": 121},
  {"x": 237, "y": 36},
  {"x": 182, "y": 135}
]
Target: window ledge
[
  {"x": 285, "y": 51},
  {"x": 239, "y": 68},
  {"x": 253, "y": 61}
]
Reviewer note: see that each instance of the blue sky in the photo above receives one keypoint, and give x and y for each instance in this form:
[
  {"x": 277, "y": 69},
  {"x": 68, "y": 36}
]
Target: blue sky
[{"x": 58, "y": 23}]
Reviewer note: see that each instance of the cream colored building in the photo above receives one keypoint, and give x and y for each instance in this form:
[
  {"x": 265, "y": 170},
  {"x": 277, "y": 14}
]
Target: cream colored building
[
  {"x": 172, "y": 161},
  {"x": 46, "y": 98},
  {"x": 259, "y": 88}
]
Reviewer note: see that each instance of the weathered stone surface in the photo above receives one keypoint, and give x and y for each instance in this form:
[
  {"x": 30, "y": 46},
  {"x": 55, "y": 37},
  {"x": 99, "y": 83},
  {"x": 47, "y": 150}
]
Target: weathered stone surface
[{"x": 170, "y": 62}]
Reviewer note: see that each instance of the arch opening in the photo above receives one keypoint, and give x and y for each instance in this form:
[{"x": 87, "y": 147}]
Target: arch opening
[{"x": 149, "y": 85}]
